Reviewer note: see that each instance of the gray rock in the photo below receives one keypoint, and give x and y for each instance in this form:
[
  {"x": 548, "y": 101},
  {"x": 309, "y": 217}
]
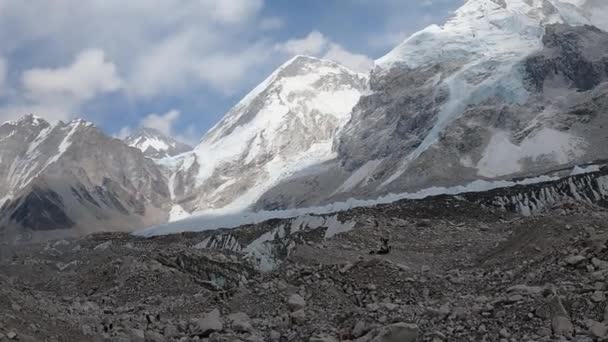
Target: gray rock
[
  {"x": 137, "y": 335},
  {"x": 574, "y": 260},
  {"x": 598, "y": 329},
  {"x": 599, "y": 264},
  {"x": 562, "y": 326},
  {"x": 170, "y": 331},
  {"x": 360, "y": 329},
  {"x": 210, "y": 323},
  {"x": 296, "y": 302},
  {"x": 153, "y": 336},
  {"x": 598, "y": 296},
  {"x": 275, "y": 336},
  {"x": 323, "y": 338},
  {"x": 240, "y": 322},
  {"x": 298, "y": 317},
  {"x": 399, "y": 332},
  {"x": 525, "y": 290}
]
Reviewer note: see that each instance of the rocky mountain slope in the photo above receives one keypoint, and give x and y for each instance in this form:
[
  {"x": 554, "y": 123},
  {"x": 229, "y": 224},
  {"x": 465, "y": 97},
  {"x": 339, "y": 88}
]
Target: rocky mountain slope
[
  {"x": 503, "y": 89},
  {"x": 457, "y": 268},
  {"x": 283, "y": 126},
  {"x": 155, "y": 144},
  {"x": 71, "y": 178}
]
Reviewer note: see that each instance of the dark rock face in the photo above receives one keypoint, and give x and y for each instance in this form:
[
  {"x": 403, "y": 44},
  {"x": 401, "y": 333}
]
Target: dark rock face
[
  {"x": 394, "y": 118},
  {"x": 41, "y": 210},
  {"x": 578, "y": 54}
]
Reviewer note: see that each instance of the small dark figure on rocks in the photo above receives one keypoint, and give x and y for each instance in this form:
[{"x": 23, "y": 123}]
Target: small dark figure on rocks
[{"x": 385, "y": 248}]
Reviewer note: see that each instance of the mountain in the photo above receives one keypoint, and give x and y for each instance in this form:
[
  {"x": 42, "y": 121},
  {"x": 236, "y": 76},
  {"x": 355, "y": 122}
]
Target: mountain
[
  {"x": 285, "y": 125},
  {"x": 70, "y": 178},
  {"x": 506, "y": 88},
  {"x": 155, "y": 144}
]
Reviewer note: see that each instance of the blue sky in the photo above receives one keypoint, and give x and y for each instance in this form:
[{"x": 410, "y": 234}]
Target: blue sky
[{"x": 179, "y": 65}]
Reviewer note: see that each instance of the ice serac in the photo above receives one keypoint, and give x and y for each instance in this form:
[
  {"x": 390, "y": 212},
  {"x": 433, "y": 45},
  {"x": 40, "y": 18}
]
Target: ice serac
[
  {"x": 504, "y": 88},
  {"x": 284, "y": 126},
  {"x": 155, "y": 144},
  {"x": 70, "y": 178}
]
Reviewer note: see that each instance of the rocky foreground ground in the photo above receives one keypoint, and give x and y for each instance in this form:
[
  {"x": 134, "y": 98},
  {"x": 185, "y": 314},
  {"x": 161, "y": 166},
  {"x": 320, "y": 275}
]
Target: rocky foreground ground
[{"x": 456, "y": 271}]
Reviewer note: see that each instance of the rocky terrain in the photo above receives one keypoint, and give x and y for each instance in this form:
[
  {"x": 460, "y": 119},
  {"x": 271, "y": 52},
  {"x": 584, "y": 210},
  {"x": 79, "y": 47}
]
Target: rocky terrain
[{"x": 446, "y": 268}]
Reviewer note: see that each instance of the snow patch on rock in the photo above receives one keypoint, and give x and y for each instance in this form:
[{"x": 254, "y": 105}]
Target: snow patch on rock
[{"x": 502, "y": 157}]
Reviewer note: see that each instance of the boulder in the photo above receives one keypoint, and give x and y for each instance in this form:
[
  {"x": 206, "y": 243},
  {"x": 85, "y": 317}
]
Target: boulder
[
  {"x": 562, "y": 326},
  {"x": 399, "y": 332},
  {"x": 210, "y": 323},
  {"x": 296, "y": 302},
  {"x": 240, "y": 322}
]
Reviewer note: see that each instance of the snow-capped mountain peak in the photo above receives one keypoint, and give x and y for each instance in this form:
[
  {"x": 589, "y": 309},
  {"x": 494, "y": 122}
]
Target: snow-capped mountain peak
[
  {"x": 503, "y": 88},
  {"x": 486, "y": 29},
  {"x": 155, "y": 144},
  {"x": 284, "y": 125}
]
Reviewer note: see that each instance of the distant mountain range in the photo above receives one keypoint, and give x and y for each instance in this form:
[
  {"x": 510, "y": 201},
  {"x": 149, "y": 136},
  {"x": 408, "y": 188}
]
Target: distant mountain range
[
  {"x": 155, "y": 144},
  {"x": 506, "y": 88}
]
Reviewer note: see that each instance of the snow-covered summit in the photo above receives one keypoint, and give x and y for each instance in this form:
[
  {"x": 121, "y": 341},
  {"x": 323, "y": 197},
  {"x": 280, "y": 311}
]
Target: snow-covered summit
[
  {"x": 486, "y": 29},
  {"x": 29, "y": 119},
  {"x": 155, "y": 144},
  {"x": 284, "y": 125}
]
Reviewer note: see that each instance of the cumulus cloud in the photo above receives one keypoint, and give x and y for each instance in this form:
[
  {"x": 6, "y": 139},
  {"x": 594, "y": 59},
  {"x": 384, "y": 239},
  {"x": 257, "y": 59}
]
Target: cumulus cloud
[
  {"x": 354, "y": 61},
  {"x": 161, "y": 122},
  {"x": 145, "y": 39},
  {"x": 175, "y": 64},
  {"x": 58, "y": 93},
  {"x": 89, "y": 75},
  {"x": 313, "y": 44},
  {"x": 233, "y": 11},
  {"x": 123, "y": 133},
  {"x": 317, "y": 44}
]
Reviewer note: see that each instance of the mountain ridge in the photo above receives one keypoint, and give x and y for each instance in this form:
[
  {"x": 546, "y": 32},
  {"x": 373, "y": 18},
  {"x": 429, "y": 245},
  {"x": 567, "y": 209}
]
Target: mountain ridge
[
  {"x": 155, "y": 144},
  {"x": 282, "y": 126},
  {"x": 442, "y": 119}
]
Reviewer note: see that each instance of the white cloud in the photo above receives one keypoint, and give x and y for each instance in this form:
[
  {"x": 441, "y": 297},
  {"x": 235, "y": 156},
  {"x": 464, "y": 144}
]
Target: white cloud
[
  {"x": 58, "y": 93},
  {"x": 90, "y": 74},
  {"x": 356, "y": 62},
  {"x": 175, "y": 64},
  {"x": 316, "y": 44},
  {"x": 223, "y": 71},
  {"x": 313, "y": 44},
  {"x": 123, "y": 133},
  {"x": 147, "y": 40},
  {"x": 164, "y": 67},
  {"x": 164, "y": 123},
  {"x": 161, "y": 122},
  {"x": 233, "y": 11}
]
